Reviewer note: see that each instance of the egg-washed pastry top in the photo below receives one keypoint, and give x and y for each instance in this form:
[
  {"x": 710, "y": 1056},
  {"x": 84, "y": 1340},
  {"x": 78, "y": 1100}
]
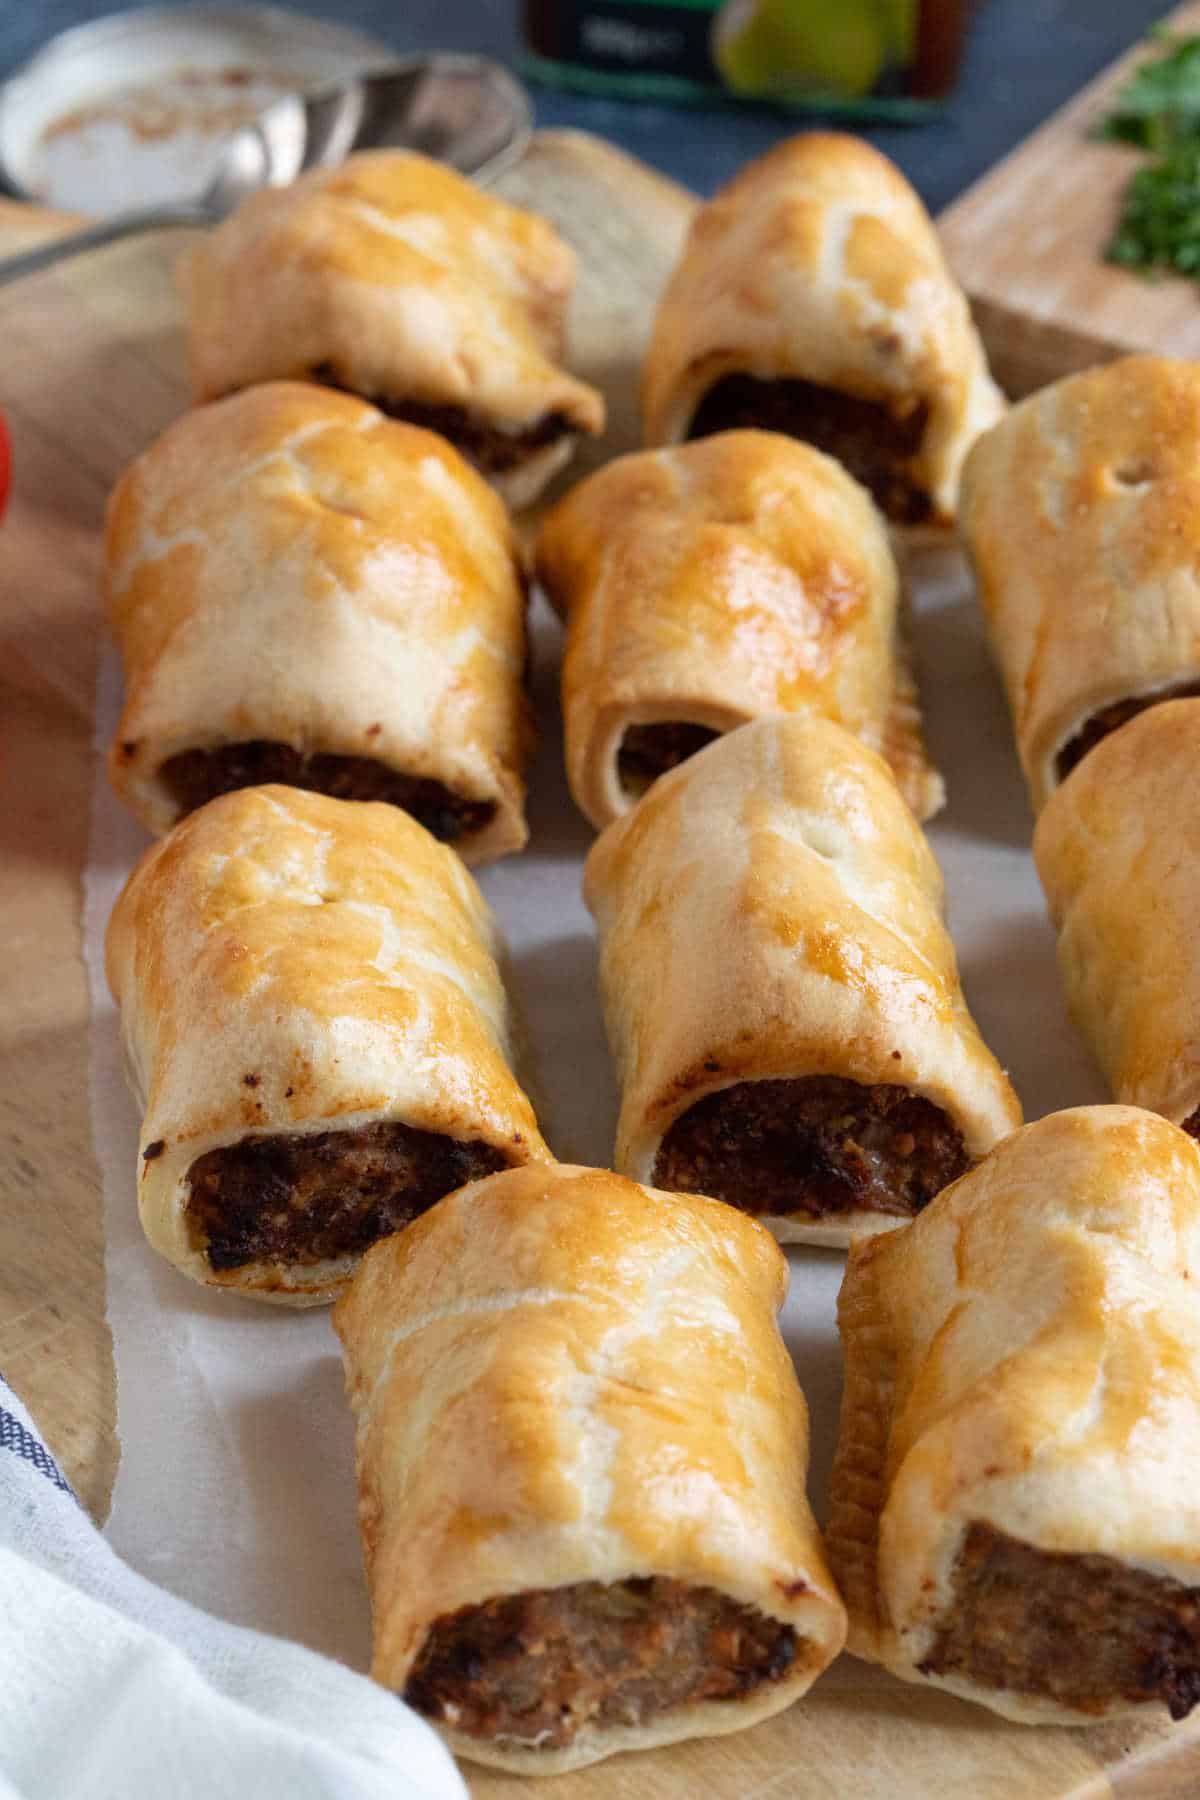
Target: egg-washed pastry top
[
  {"x": 1117, "y": 849},
  {"x": 780, "y": 991},
  {"x": 1081, "y": 513},
  {"x": 1014, "y": 1513},
  {"x": 581, "y": 1453},
  {"x": 316, "y": 1029},
  {"x": 813, "y": 298},
  {"x": 393, "y": 276},
  {"x": 709, "y": 584},
  {"x": 307, "y": 592}
]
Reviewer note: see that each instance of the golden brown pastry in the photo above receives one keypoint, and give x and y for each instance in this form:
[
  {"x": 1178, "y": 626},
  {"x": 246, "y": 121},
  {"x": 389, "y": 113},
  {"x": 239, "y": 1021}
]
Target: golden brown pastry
[
  {"x": 712, "y": 584},
  {"x": 394, "y": 277},
  {"x": 582, "y": 1453},
  {"x": 1117, "y": 848},
  {"x": 304, "y": 591},
  {"x": 813, "y": 298},
  {"x": 316, "y": 1029},
  {"x": 780, "y": 992},
  {"x": 1081, "y": 513},
  {"x": 1015, "y": 1515}
]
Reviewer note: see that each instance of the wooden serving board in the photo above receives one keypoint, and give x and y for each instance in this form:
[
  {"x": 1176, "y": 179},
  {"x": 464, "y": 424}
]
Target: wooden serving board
[
  {"x": 1028, "y": 243},
  {"x": 91, "y": 368}
]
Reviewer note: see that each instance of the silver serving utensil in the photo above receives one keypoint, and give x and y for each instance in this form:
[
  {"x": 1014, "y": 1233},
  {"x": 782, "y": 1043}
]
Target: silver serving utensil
[{"x": 465, "y": 111}]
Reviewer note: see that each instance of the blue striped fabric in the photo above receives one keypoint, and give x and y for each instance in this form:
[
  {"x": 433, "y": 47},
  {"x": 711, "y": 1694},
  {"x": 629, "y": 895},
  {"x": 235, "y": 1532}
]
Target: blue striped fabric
[{"x": 20, "y": 1442}]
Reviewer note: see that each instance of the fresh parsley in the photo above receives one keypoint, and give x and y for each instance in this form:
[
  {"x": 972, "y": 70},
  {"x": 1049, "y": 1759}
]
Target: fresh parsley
[
  {"x": 1159, "y": 106},
  {"x": 1158, "y": 109}
]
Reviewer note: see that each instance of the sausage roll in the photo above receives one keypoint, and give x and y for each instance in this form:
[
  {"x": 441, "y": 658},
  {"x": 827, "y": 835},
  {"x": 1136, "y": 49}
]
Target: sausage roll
[
  {"x": 813, "y": 298},
  {"x": 780, "y": 992},
  {"x": 315, "y": 1027},
  {"x": 1118, "y": 852},
  {"x": 1081, "y": 513},
  {"x": 711, "y": 584},
  {"x": 582, "y": 1453},
  {"x": 393, "y": 277},
  {"x": 306, "y": 592},
  {"x": 1015, "y": 1514}
]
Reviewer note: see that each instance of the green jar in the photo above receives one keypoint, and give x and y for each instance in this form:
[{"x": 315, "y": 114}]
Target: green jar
[{"x": 890, "y": 58}]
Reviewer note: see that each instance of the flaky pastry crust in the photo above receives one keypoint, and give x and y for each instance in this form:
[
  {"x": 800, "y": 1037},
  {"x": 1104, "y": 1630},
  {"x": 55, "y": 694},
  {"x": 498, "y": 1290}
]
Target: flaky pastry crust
[
  {"x": 818, "y": 263},
  {"x": 1026, "y": 1355},
  {"x": 288, "y": 565},
  {"x": 393, "y": 276},
  {"x": 739, "y": 576},
  {"x": 289, "y": 963},
  {"x": 770, "y": 911},
  {"x": 1117, "y": 849},
  {"x": 518, "y": 1361},
  {"x": 1081, "y": 513}
]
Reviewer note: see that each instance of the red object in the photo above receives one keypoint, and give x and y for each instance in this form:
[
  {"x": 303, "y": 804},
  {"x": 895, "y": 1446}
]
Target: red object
[{"x": 5, "y": 464}]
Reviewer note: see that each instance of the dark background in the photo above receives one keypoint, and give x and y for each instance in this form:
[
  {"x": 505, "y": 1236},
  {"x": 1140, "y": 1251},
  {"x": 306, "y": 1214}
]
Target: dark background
[{"x": 1024, "y": 57}]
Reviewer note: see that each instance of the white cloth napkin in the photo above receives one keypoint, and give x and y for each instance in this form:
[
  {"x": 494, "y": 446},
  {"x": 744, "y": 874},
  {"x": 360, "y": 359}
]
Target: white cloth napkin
[{"x": 111, "y": 1688}]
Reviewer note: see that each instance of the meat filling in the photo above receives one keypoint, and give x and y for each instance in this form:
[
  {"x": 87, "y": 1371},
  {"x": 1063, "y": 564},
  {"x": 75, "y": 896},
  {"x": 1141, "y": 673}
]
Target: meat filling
[
  {"x": 1111, "y": 718},
  {"x": 489, "y": 448},
  {"x": 648, "y": 751},
  {"x": 1192, "y": 1124},
  {"x": 540, "y": 1666},
  {"x": 1084, "y": 1631},
  {"x": 196, "y": 776},
  {"x": 305, "y": 1197},
  {"x": 818, "y": 1145},
  {"x": 874, "y": 443}
]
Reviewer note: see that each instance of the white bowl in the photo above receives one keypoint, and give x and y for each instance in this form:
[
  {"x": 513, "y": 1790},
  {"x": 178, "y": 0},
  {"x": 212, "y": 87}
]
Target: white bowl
[{"x": 131, "y": 110}]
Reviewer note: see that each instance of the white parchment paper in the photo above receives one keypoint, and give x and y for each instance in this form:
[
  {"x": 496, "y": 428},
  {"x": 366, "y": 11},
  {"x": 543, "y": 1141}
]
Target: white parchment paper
[{"x": 236, "y": 1487}]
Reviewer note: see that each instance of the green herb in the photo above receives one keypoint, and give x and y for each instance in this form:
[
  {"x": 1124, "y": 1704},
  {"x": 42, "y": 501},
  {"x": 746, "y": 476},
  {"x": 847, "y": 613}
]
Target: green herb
[
  {"x": 1159, "y": 106},
  {"x": 1158, "y": 109},
  {"x": 1160, "y": 219}
]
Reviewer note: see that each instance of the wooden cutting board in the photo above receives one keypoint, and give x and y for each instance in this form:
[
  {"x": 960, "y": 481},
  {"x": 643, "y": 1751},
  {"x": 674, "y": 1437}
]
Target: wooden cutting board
[
  {"x": 90, "y": 370},
  {"x": 1028, "y": 243}
]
